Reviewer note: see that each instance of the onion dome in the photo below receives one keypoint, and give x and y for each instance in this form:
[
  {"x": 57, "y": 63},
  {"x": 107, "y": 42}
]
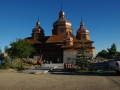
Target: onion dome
[
  {"x": 62, "y": 21},
  {"x": 82, "y": 29},
  {"x": 38, "y": 29},
  {"x": 68, "y": 37}
]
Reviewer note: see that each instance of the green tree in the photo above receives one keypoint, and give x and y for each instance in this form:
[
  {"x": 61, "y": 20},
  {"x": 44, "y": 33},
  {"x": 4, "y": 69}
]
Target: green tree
[
  {"x": 0, "y": 54},
  {"x": 81, "y": 58},
  {"x": 0, "y": 51},
  {"x": 6, "y": 48},
  {"x": 6, "y": 63},
  {"x": 112, "y": 51},
  {"x": 117, "y": 53},
  {"x": 102, "y": 54},
  {"x": 21, "y": 49}
]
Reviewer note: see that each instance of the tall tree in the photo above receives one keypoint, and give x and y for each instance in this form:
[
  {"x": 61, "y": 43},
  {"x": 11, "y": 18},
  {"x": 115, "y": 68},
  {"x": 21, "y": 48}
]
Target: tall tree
[
  {"x": 81, "y": 58},
  {"x": 6, "y": 48},
  {"x": 112, "y": 51},
  {"x": 102, "y": 54},
  {"x": 0, "y": 52},
  {"x": 1, "y": 58},
  {"x": 117, "y": 53},
  {"x": 21, "y": 49}
]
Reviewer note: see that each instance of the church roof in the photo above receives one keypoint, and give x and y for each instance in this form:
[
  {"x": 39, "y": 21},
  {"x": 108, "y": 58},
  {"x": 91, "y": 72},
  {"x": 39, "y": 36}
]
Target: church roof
[
  {"x": 37, "y": 41},
  {"x": 62, "y": 21},
  {"x": 82, "y": 29},
  {"x": 60, "y": 38},
  {"x": 68, "y": 37},
  {"x": 87, "y": 47},
  {"x": 38, "y": 28},
  {"x": 34, "y": 41}
]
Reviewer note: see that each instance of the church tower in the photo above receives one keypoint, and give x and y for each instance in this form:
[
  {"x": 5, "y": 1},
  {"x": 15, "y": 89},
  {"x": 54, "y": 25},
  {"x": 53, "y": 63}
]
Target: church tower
[
  {"x": 61, "y": 25},
  {"x": 83, "y": 36},
  {"x": 38, "y": 32},
  {"x": 82, "y": 32}
]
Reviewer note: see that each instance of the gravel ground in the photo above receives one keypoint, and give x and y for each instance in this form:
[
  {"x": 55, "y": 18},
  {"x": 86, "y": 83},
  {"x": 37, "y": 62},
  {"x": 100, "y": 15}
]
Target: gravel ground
[{"x": 11, "y": 80}]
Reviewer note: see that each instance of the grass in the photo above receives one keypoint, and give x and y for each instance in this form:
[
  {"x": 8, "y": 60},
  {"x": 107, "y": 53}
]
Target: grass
[
  {"x": 106, "y": 71},
  {"x": 92, "y": 71}
]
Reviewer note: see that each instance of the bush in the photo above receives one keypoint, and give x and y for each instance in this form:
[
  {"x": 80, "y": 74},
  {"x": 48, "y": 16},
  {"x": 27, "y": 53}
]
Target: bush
[
  {"x": 16, "y": 63},
  {"x": 6, "y": 63}
]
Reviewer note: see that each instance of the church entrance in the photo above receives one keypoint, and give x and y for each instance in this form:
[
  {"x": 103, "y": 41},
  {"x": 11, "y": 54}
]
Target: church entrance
[{"x": 56, "y": 59}]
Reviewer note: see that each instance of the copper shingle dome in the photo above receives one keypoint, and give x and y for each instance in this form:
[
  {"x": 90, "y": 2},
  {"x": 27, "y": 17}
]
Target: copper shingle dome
[
  {"x": 38, "y": 29},
  {"x": 62, "y": 21},
  {"x": 82, "y": 29}
]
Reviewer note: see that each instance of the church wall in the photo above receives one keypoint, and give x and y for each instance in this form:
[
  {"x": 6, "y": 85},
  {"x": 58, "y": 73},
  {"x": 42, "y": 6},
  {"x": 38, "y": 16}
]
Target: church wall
[
  {"x": 69, "y": 56},
  {"x": 88, "y": 37},
  {"x": 92, "y": 52}
]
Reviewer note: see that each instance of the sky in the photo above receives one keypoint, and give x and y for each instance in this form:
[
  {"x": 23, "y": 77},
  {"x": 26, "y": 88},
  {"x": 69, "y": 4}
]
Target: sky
[{"x": 100, "y": 17}]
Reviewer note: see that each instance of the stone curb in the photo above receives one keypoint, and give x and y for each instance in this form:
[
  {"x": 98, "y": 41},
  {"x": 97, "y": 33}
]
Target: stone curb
[{"x": 39, "y": 72}]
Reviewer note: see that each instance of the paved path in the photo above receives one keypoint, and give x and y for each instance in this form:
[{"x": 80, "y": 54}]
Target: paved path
[
  {"x": 43, "y": 69},
  {"x": 21, "y": 81}
]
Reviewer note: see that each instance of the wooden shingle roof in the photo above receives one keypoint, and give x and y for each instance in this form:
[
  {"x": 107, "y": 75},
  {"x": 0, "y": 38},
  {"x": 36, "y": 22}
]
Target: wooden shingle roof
[
  {"x": 37, "y": 41},
  {"x": 60, "y": 38},
  {"x": 33, "y": 41}
]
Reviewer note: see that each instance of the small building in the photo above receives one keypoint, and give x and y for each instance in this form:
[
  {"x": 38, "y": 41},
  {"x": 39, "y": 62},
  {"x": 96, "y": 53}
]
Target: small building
[
  {"x": 62, "y": 45},
  {"x": 4, "y": 54}
]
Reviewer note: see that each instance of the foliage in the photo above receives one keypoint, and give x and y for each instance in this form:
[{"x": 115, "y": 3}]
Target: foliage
[
  {"x": 102, "y": 54},
  {"x": 112, "y": 51},
  {"x": 81, "y": 58},
  {"x": 6, "y": 63},
  {"x": 6, "y": 48},
  {"x": 0, "y": 52},
  {"x": 21, "y": 49},
  {"x": 117, "y": 53}
]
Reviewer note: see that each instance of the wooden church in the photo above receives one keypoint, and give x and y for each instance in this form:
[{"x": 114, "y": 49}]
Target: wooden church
[{"x": 62, "y": 45}]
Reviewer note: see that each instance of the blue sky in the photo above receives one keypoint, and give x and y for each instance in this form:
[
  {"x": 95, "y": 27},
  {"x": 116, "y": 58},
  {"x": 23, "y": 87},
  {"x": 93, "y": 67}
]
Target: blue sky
[{"x": 100, "y": 17}]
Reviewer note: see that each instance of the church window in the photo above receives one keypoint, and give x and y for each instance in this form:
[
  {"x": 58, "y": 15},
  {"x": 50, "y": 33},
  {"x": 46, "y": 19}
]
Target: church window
[
  {"x": 61, "y": 30},
  {"x": 83, "y": 37},
  {"x": 36, "y": 36}
]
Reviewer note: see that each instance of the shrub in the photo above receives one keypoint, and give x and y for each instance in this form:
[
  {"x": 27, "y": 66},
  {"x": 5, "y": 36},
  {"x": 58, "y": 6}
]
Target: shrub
[{"x": 6, "y": 63}]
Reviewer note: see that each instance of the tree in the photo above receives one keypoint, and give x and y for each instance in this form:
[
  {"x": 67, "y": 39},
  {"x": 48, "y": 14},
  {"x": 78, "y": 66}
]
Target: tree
[
  {"x": 21, "y": 49},
  {"x": 81, "y": 58},
  {"x": 117, "y": 53},
  {"x": 0, "y": 52},
  {"x": 6, "y": 63},
  {"x": 112, "y": 51},
  {"x": 0, "y": 56},
  {"x": 6, "y": 48},
  {"x": 102, "y": 54}
]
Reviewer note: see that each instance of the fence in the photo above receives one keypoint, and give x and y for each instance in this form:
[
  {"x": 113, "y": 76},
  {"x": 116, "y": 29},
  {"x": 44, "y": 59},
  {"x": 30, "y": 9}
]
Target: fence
[{"x": 68, "y": 66}]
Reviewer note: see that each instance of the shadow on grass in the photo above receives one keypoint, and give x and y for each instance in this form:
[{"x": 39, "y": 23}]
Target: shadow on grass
[{"x": 83, "y": 73}]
